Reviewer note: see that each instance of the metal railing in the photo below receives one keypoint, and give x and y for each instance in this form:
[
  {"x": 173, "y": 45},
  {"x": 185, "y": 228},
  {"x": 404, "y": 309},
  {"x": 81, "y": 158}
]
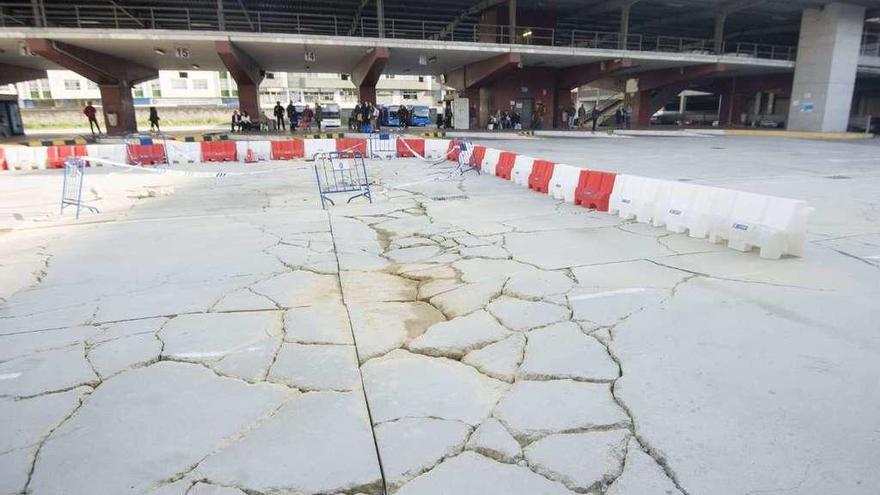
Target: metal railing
[{"x": 112, "y": 16}]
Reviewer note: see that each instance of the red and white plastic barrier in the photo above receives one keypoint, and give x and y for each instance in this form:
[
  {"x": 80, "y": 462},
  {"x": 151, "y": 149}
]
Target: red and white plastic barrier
[{"x": 522, "y": 169}]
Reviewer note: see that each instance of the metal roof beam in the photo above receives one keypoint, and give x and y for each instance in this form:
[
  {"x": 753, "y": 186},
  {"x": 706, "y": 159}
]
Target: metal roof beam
[
  {"x": 725, "y": 10},
  {"x": 464, "y": 14}
]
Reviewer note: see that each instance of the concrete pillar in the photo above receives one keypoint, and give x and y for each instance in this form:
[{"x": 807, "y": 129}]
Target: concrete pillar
[
  {"x": 380, "y": 18},
  {"x": 720, "y": 19},
  {"x": 118, "y": 106},
  {"x": 825, "y": 74},
  {"x": 366, "y": 73},
  {"x": 682, "y": 104},
  {"x": 221, "y": 20},
  {"x": 511, "y": 17},
  {"x": 246, "y": 74},
  {"x": 624, "y": 25},
  {"x": 641, "y": 109},
  {"x": 483, "y": 107},
  {"x": 38, "y": 13},
  {"x": 756, "y": 109},
  {"x": 771, "y": 101}
]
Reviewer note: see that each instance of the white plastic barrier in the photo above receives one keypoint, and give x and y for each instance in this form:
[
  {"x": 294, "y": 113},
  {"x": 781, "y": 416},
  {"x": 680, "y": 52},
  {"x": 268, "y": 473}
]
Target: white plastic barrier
[
  {"x": 622, "y": 199},
  {"x": 260, "y": 150},
  {"x": 745, "y": 219},
  {"x": 522, "y": 168},
  {"x": 699, "y": 220},
  {"x": 312, "y": 147},
  {"x": 660, "y": 206},
  {"x": 564, "y": 181},
  {"x": 679, "y": 206},
  {"x": 490, "y": 160},
  {"x": 783, "y": 228},
  {"x": 436, "y": 148},
  {"x": 26, "y": 157},
  {"x": 177, "y": 152},
  {"x": 113, "y": 152},
  {"x": 720, "y": 214}
]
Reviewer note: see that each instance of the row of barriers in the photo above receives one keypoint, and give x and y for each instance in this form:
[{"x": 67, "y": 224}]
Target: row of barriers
[
  {"x": 150, "y": 151},
  {"x": 777, "y": 226},
  {"x": 744, "y": 220}
]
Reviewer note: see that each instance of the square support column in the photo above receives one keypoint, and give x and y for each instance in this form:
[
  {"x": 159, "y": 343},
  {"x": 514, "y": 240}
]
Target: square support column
[
  {"x": 825, "y": 74},
  {"x": 118, "y": 107}
]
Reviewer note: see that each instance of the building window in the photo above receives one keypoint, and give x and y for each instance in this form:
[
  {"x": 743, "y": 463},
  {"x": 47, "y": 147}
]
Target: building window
[
  {"x": 200, "y": 84},
  {"x": 270, "y": 75},
  {"x": 71, "y": 85},
  {"x": 178, "y": 84},
  {"x": 421, "y": 78},
  {"x": 389, "y": 76},
  {"x": 410, "y": 95},
  {"x": 183, "y": 75},
  {"x": 91, "y": 85}
]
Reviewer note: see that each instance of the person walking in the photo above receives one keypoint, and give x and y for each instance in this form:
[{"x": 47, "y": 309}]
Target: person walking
[
  {"x": 279, "y": 116},
  {"x": 154, "y": 119},
  {"x": 319, "y": 115},
  {"x": 91, "y": 114},
  {"x": 594, "y": 116},
  {"x": 582, "y": 116}
]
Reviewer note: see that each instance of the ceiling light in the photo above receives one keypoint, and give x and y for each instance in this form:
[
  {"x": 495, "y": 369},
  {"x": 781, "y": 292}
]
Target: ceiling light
[
  {"x": 875, "y": 20},
  {"x": 527, "y": 34},
  {"x": 432, "y": 60},
  {"x": 159, "y": 51},
  {"x": 195, "y": 66}
]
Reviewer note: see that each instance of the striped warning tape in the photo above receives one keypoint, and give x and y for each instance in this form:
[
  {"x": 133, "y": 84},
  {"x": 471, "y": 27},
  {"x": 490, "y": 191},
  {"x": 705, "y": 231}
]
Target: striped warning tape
[{"x": 54, "y": 142}]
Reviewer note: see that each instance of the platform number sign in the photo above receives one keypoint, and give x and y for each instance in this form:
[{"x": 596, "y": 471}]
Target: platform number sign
[
  {"x": 310, "y": 56},
  {"x": 181, "y": 52}
]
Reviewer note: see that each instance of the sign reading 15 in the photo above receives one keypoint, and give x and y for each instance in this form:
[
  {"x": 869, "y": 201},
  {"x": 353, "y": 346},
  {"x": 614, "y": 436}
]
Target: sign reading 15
[{"x": 181, "y": 52}]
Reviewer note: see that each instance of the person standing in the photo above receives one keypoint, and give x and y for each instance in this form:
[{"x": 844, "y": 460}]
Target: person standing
[
  {"x": 306, "y": 119},
  {"x": 366, "y": 113},
  {"x": 291, "y": 116},
  {"x": 582, "y": 116},
  {"x": 594, "y": 116},
  {"x": 374, "y": 121},
  {"x": 154, "y": 119},
  {"x": 319, "y": 115},
  {"x": 354, "y": 118},
  {"x": 279, "y": 116},
  {"x": 91, "y": 114},
  {"x": 236, "y": 120}
]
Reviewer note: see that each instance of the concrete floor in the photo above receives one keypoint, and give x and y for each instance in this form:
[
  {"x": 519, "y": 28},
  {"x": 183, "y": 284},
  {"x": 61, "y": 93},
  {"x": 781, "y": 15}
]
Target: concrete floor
[{"x": 459, "y": 335}]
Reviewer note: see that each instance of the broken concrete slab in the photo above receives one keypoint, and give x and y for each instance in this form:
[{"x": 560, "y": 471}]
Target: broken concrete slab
[
  {"x": 499, "y": 360},
  {"x": 319, "y": 324},
  {"x": 47, "y": 371},
  {"x": 562, "y": 350},
  {"x": 410, "y": 446},
  {"x": 492, "y": 439},
  {"x": 360, "y": 287},
  {"x": 316, "y": 367},
  {"x": 467, "y": 298},
  {"x": 319, "y": 442},
  {"x": 243, "y": 300},
  {"x": 580, "y": 461},
  {"x": 606, "y": 307},
  {"x": 27, "y": 422},
  {"x": 457, "y": 337},
  {"x": 385, "y": 326},
  {"x": 641, "y": 474},
  {"x": 299, "y": 288},
  {"x": 23, "y": 344},
  {"x": 538, "y": 284},
  {"x": 568, "y": 406},
  {"x": 412, "y": 254},
  {"x": 157, "y": 405},
  {"x": 113, "y": 356},
  {"x": 520, "y": 315},
  {"x": 473, "y": 474},
  {"x": 401, "y": 384}
]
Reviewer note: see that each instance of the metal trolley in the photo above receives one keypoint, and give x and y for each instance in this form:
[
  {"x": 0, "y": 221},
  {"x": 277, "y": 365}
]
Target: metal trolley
[
  {"x": 341, "y": 172},
  {"x": 71, "y": 192}
]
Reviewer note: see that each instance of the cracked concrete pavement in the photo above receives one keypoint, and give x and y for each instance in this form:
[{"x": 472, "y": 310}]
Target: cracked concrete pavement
[{"x": 459, "y": 335}]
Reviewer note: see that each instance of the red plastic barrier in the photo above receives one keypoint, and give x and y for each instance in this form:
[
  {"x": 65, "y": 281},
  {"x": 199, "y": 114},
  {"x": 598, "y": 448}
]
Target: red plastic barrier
[
  {"x": 594, "y": 189},
  {"x": 351, "y": 145},
  {"x": 505, "y": 164},
  {"x": 542, "y": 172},
  {"x": 453, "y": 150},
  {"x": 479, "y": 153},
  {"x": 287, "y": 149},
  {"x": 417, "y": 145},
  {"x": 218, "y": 151},
  {"x": 3, "y": 164},
  {"x": 146, "y": 154},
  {"x": 55, "y": 155}
]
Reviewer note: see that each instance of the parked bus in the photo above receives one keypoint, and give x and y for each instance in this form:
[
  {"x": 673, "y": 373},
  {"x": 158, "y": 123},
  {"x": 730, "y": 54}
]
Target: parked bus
[
  {"x": 330, "y": 115},
  {"x": 420, "y": 116},
  {"x": 389, "y": 117}
]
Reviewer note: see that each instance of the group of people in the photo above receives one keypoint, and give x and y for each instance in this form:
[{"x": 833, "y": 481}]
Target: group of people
[
  {"x": 505, "y": 120},
  {"x": 583, "y": 117},
  {"x": 364, "y": 117},
  {"x": 297, "y": 119}
]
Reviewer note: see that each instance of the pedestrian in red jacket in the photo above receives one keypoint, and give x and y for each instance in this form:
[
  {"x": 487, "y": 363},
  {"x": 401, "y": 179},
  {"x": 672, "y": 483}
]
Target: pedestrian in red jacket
[{"x": 90, "y": 113}]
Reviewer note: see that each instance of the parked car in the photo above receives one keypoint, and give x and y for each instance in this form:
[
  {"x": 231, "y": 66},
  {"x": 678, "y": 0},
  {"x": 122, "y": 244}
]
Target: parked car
[{"x": 388, "y": 116}]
